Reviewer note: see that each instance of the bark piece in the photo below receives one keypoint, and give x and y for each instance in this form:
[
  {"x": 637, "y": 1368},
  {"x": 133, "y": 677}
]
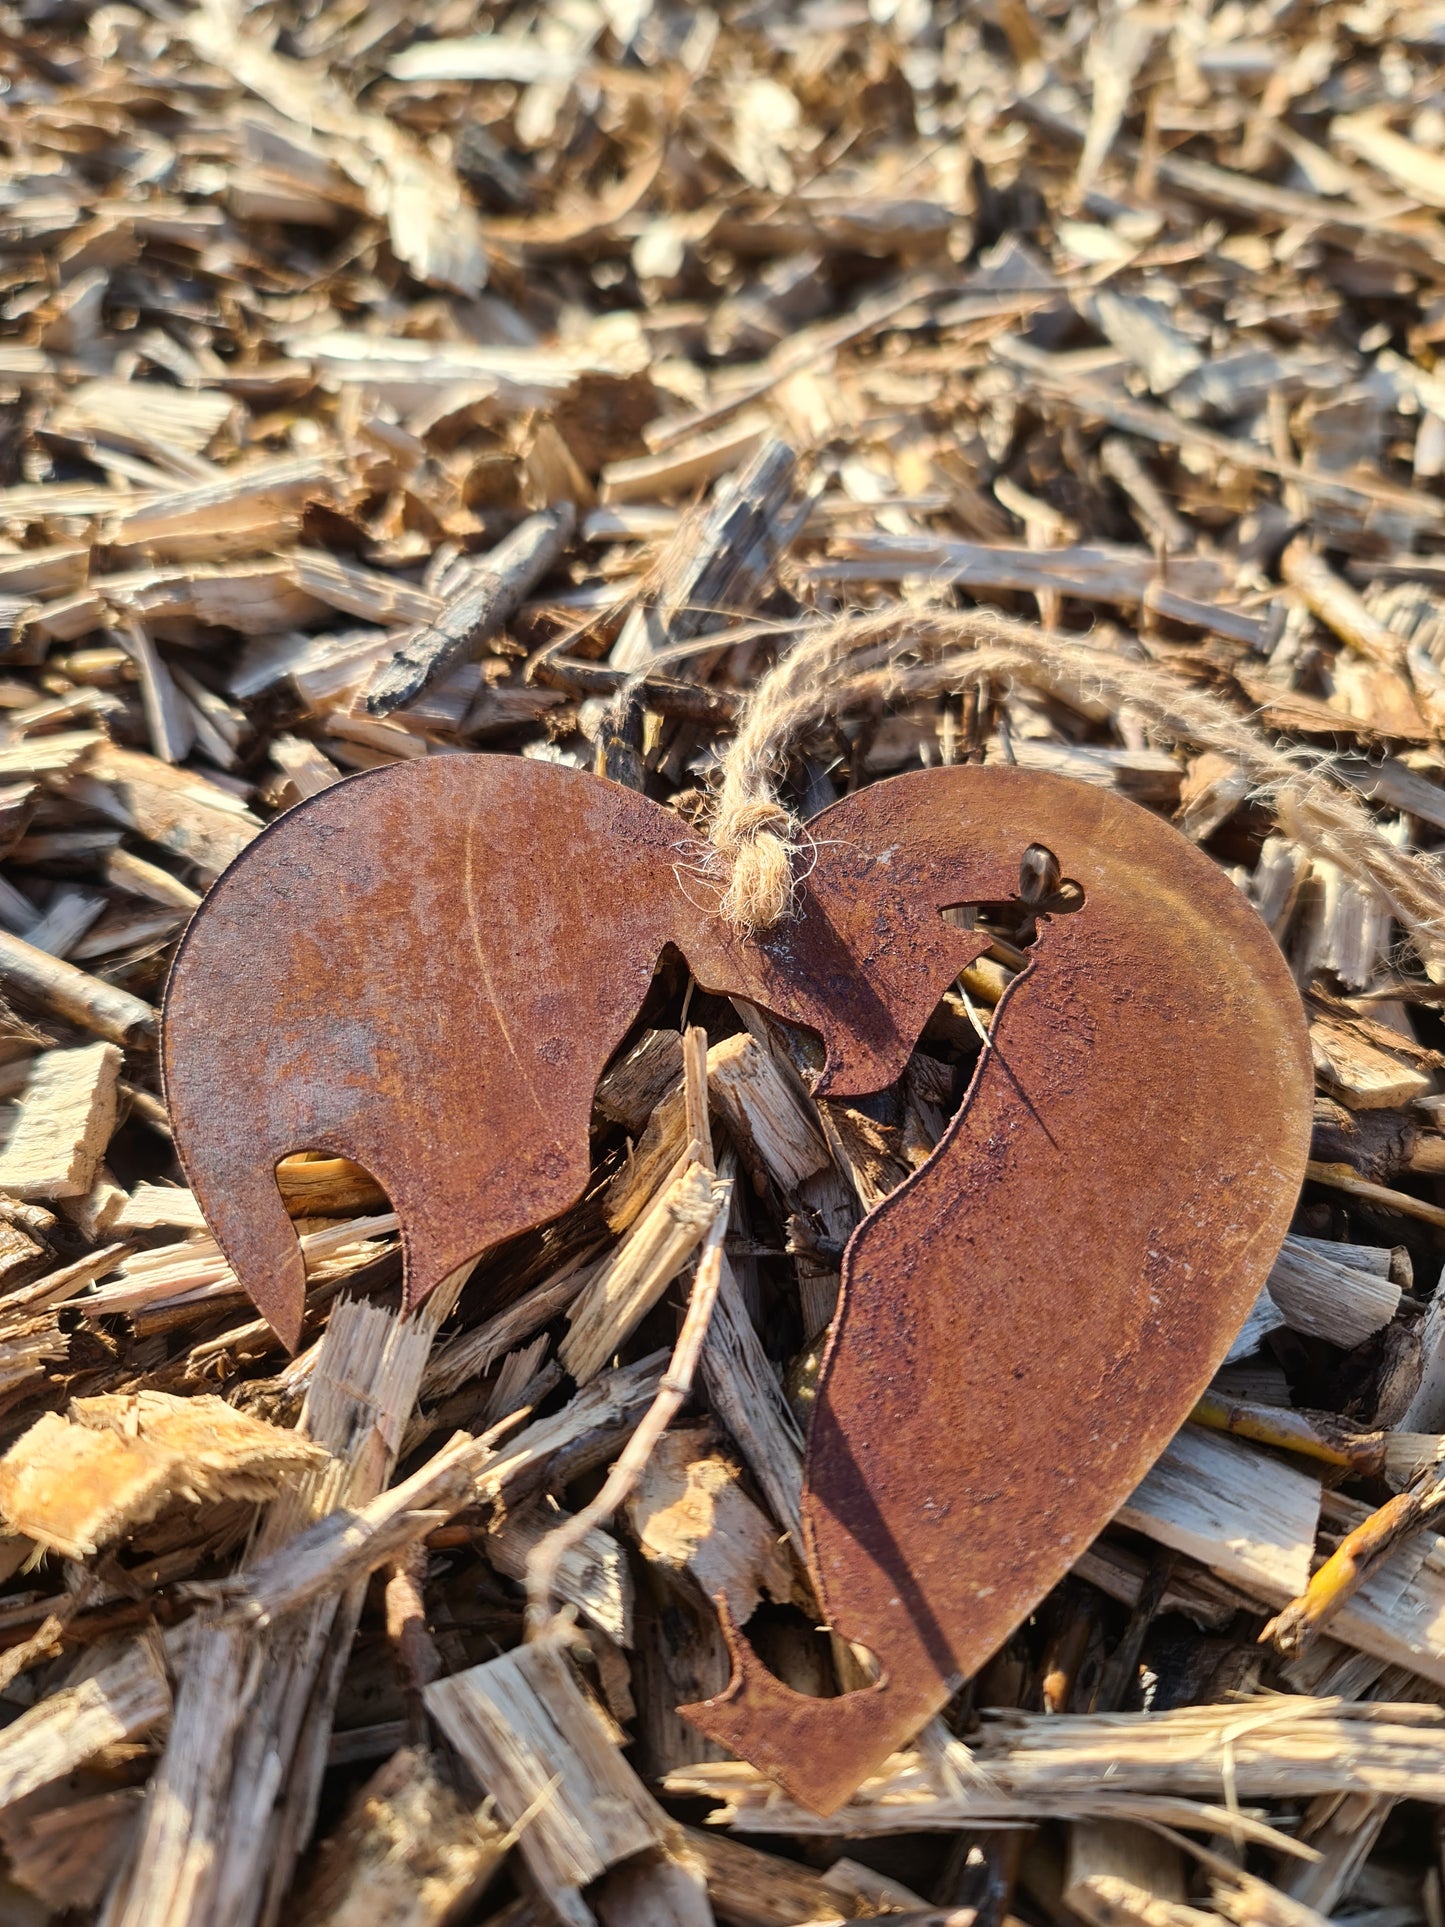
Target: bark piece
[
  {"x": 593, "y": 1576},
  {"x": 718, "y": 563},
  {"x": 38, "y": 978},
  {"x": 491, "y": 598}
]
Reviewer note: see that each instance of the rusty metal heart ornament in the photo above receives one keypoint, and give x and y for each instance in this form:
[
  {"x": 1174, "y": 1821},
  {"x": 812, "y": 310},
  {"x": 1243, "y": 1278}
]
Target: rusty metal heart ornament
[{"x": 442, "y": 956}]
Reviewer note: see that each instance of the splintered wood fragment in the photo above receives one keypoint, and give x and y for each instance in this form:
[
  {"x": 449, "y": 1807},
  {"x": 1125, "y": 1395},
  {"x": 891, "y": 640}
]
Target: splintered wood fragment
[
  {"x": 1247, "y": 1516},
  {"x": 864, "y": 1152},
  {"x": 128, "y": 413},
  {"x": 1109, "y": 1899},
  {"x": 346, "y": 1542},
  {"x": 650, "y": 1163},
  {"x": 431, "y": 225},
  {"x": 58, "y": 1287},
  {"x": 1423, "y": 1401},
  {"x": 1359, "y": 1073},
  {"x": 1076, "y": 1765},
  {"x": 1120, "y": 462},
  {"x": 130, "y": 872},
  {"x": 761, "y": 1889},
  {"x": 774, "y": 1128},
  {"x": 265, "y": 496},
  {"x": 1339, "y": 606},
  {"x": 29, "y": 1342},
  {"x": 1264, "y": 1317},
  {"x": 676, "y": 1383},
  {"x": 472, "y": 1353},
  {"x": 307, "y": 770},
  {"x": 64, "y": 1123},
  {"x": 538, "y": 1746},
  {"x": 1126, "y": 1575},
  {"x": 366, "y": 593},
  {"x": 328, "y": 1188},
  {"x": 653, "y": 1890},
  {"x": 1412, "y": 1458},
  {"x": 592, "y": 1575},
  {"x": 54, "y": 755},
  {"x": 62, "y": 928},
  {"x": 151, "y": 1206},
  {"x": 347, "y": 1545},
  {"x": 66, "y": 1854},
  {"x": 127, "y": 1694},
  {"x": 631, "y": 1090},
  {"x": 20, "y": 1258},
  {"x": 409, "y": 1852},
  {"x": 718, "y": 562},
  {"x": 77, "y": 1483},
  {"x": 38, "y": 978},
  {"x": 1096, "y": 572},
  {"x": 1109, "y": 1864},
  {"x": 632, "y": 1280},
  {"x": 689, "y": 1513},
  {"x": 493, "y": 594},
  {"x": 177, "y": 810},
  {"x": 1342, "y": 1177},
  {"x": 1326, "y": 1297},
  {"x": 196, "y": 1269},
  {"x": 17, "y": 804},
  {"x": 687, "y": 465},
  {"x": 743, "y": 1390},
  {"x": 237, "y": 1783},
  {"x": 172, "y": 729}
]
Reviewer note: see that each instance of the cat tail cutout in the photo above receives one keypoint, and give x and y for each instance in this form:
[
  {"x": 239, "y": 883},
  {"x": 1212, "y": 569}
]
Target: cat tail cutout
[{"x": 810, "y": 1747}]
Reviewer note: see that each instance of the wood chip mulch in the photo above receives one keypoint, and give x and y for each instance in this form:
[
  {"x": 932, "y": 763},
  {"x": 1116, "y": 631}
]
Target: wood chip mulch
[{"x": 525, "y": 379}]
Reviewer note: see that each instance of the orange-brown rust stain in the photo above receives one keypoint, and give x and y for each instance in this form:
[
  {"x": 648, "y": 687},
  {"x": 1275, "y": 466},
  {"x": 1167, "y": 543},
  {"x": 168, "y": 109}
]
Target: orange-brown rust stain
[{"x": 426, "y": 969}]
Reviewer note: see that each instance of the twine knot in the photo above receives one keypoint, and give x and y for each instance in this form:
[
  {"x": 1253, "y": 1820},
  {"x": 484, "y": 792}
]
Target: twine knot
[{"x": 760, "y": 839}]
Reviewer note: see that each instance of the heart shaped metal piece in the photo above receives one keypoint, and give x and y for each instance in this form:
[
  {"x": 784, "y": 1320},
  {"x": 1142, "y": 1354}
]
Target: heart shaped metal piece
[{"x": 427, "y": 968}]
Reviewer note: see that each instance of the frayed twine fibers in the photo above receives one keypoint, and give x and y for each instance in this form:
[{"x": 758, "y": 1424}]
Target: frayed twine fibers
[{"x": 850, "y": 665}]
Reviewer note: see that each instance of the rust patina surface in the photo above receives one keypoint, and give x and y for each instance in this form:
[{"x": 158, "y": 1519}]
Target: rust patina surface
[{"x": 427, "y": 968}]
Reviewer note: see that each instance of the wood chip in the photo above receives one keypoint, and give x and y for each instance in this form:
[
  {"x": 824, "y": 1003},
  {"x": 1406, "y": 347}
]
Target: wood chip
[
  {"x": 538, "y": 1746},
  {"x": 63, "y": 1123},
  {"x": 84, "y": 1481}
]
